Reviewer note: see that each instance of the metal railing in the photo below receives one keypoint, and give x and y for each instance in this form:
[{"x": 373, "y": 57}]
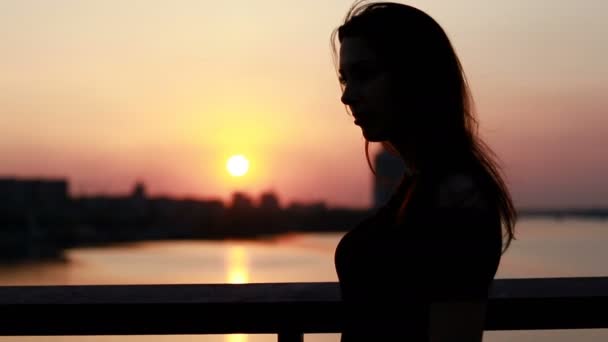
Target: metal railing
[{"x": 269, "y": 308}]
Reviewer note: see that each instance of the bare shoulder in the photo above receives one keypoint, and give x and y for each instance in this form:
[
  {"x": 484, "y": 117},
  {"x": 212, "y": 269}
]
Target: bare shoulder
[{"x": 460, "y": 190}]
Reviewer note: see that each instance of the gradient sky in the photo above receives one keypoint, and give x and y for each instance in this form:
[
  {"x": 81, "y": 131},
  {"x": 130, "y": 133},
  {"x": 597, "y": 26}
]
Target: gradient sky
[{"x": 105, "y": 93}]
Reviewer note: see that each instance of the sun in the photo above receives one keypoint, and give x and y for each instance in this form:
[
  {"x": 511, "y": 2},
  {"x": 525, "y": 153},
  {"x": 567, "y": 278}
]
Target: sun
[{"x": 237, "y": 165}]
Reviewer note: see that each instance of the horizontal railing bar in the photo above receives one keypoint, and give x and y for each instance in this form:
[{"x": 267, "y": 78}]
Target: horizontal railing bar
[
  {"x": 284, "y": 336},
  {"x": 269, "y": 308}
]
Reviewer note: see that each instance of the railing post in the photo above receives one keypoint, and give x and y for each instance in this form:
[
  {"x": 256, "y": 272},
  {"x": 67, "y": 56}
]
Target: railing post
[{"x": 290, "y": 336}]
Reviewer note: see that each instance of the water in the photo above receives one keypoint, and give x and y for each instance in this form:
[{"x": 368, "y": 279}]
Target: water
[{"x": 544, "y": 248}]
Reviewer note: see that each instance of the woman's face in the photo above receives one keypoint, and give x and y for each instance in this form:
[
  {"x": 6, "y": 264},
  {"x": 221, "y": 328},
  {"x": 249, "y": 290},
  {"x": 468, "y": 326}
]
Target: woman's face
[{"x": 366, "y": 89}]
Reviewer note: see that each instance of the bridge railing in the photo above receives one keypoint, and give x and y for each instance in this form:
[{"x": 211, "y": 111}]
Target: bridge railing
[{"x": 283, "y": 309}]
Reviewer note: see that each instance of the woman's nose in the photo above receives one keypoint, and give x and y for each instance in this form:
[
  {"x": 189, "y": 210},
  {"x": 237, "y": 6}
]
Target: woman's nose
[{"x": 348, "y": 97}]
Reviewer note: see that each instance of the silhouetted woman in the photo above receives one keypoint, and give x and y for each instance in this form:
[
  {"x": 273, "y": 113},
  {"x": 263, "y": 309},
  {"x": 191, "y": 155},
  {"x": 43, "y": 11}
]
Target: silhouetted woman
[{"x": 420, "y": 268}]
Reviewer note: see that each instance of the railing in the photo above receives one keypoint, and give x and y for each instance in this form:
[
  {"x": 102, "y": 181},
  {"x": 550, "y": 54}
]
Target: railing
[{"x": 269, "y": 308}]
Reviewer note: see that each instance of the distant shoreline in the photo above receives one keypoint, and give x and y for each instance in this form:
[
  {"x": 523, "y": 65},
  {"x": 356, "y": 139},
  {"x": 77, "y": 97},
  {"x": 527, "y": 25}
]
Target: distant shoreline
[{"x": 565, "y": 213}]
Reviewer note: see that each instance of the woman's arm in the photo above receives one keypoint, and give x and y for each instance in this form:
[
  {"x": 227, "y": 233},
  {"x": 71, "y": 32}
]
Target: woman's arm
[{"x": 466, "y": 257}]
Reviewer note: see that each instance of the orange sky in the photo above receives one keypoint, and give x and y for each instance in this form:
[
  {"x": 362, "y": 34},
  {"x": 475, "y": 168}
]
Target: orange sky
[{"x": 107, "y": 92}]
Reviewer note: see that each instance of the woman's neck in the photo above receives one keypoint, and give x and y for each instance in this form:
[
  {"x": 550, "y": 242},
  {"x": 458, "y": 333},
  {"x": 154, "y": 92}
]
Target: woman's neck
[{"x": 408, "y": 156}]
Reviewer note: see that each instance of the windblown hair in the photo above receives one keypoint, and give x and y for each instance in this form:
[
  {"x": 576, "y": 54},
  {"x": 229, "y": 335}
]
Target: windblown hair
[{"x": 427, "y": 74}]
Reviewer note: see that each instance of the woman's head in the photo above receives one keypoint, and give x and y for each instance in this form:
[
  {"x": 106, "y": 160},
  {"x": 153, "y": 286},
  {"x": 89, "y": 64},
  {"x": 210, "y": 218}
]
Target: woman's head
[
  {"x": 405, "y": 87},
  {"x": 402, "y": 80}
]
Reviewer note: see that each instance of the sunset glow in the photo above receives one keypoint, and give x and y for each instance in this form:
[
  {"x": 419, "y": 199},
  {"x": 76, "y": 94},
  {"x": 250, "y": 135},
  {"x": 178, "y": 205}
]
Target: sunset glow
[{"x": 102, "y": 93}]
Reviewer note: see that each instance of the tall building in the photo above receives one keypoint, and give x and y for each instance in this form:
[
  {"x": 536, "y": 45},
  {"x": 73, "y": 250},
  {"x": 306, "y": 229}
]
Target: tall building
[
  {"x": 389, "y": 170},
  {"x": 33, "y": 192}
]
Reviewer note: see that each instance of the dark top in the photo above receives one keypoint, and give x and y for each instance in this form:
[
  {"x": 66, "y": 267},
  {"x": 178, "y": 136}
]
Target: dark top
[{"x": 447, "y": 248}]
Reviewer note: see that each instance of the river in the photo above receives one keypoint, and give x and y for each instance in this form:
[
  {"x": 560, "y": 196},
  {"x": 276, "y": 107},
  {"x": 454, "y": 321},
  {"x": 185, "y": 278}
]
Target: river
[{"x": 544, "y": 248}]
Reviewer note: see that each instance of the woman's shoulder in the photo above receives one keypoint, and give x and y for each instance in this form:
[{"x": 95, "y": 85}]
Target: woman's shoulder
[
  {"x": 458, "y": 200},
  {"x": 460, "y": 190}
]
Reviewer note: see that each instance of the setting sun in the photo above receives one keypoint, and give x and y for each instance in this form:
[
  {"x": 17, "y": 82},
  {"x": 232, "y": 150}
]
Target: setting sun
[{"x": 237, "y": 165}]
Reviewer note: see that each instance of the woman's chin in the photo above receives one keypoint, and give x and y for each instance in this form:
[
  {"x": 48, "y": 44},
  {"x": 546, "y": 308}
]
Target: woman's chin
[{"x": 373, "y": 136}]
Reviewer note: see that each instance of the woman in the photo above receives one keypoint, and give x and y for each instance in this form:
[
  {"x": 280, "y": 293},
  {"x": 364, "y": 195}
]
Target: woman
[{"x": 420, "y": 268}]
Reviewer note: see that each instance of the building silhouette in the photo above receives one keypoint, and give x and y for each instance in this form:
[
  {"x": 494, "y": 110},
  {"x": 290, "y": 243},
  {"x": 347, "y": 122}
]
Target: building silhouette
[
  {"x": 269, "y": 201},
  {"x": 15, "y": 192},
  {"x": 389, "y": 169},
  {"x": 139, "y": 191},
  {"x": 242, "y": 201}
]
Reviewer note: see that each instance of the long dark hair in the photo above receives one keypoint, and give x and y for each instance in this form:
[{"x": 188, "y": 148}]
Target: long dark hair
[{"x": 414, "y": 47}]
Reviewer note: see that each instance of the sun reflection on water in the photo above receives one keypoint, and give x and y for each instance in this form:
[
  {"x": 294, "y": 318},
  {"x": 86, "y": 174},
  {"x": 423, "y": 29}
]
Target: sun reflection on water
[
  {"x": 238, "y": 273},
  {"x": 236, "y": 338},
  {"x": 238, "y": 270}
]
